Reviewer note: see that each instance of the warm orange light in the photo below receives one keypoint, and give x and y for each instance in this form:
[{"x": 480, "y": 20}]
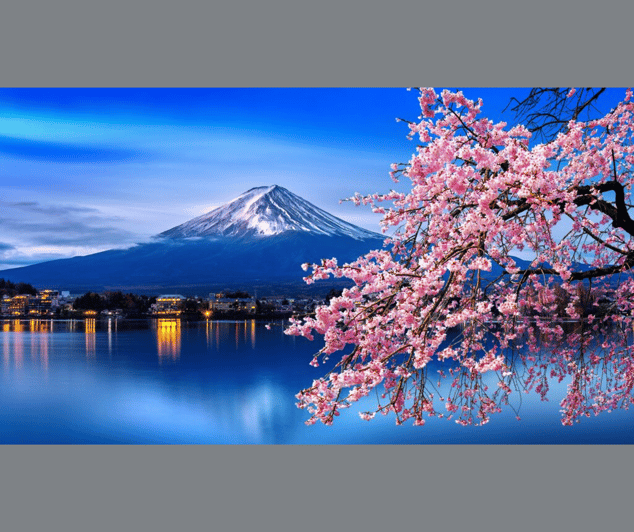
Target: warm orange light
[
  {"x": 168, "y": 339},
  {"x": 91, "y": 350}
]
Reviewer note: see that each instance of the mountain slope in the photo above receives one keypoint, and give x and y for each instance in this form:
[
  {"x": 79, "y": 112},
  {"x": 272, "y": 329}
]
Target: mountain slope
[
  {"x": 198, "y": 266},
  {"x": 267, "y": 211},
  {"x": 257, "y": 241}
]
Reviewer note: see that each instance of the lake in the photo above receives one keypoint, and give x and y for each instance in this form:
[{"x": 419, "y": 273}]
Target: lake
[{"x": 218, "y": 382}]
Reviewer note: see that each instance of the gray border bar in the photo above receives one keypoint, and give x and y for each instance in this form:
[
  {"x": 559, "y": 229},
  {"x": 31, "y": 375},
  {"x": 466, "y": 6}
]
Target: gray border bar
[{"x": 285, "y": 43}]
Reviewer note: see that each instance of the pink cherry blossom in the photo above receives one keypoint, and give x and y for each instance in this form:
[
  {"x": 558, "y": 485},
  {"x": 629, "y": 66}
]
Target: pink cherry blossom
[{"x": 481, "y": 194}]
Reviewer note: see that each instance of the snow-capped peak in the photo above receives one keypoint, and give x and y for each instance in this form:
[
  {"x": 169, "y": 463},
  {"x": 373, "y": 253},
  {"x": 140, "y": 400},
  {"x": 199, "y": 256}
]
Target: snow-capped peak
[{"x": 267, "y": 211}]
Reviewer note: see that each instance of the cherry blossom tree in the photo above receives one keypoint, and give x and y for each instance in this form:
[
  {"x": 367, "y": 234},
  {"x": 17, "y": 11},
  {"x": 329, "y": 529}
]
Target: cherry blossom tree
[
  {"x": 546, "y": 111},
  {"x": 447, "y": 319}
]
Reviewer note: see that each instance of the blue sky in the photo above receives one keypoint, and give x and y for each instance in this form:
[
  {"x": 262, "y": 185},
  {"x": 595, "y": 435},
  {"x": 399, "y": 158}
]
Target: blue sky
[{"x": 83, "y": 170}]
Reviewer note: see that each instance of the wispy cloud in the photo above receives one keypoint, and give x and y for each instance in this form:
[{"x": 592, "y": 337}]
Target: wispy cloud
[
  {"x": 53, "y": 210},
  {"x": 72, "y": 232},
  {"x": 35, "y": 232},
  {"x": 8, "y": 253},
  {"x": 61, "y": 225}
]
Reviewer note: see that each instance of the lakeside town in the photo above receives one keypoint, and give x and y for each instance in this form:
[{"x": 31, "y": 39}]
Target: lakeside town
[{"x": 23, "y": 300}]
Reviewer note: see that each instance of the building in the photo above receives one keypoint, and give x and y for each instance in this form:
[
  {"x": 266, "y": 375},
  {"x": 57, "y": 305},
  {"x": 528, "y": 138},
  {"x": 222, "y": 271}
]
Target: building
[
  {"x": 168, "y": 304},
  {"x": 219, "y": 303},
  {"x": 18, "y": 305},
  {"x": 4, "y": 305},
  {"x": 45, "y": 303},
  {"x": 49, "y": 296}
]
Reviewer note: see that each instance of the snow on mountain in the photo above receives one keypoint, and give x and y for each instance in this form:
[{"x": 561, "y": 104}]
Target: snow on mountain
[{"x": 267, "y": 211}]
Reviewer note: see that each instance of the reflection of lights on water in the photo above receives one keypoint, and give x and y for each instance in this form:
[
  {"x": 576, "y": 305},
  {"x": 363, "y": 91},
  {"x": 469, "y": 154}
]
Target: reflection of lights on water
[
  {"x": 18, "y": 351},
  {"x": 110, "y": 336},
  {"x": 42, "y": 340},
  {"x": 44, "y": 353},
  {"x": 243, "y": 333},
  {"x": 32, "y": 329},
  {"x": 14, "y": 345},
  {"x": 243, "y": 336},
  {"x": 91, "y": 351},
  {"x": 6, "y": 348},
  {"x": 168, "y": 336},
  {"x": 41, "y": 326}
]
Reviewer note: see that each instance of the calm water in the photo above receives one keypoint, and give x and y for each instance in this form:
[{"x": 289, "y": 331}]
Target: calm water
[{"x": 168, "y": 381}]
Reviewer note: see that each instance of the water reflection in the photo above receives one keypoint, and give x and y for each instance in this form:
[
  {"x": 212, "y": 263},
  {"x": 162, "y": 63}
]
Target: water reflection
[
  {"x": 91, "y": 350},
  {"x": 20, "y": 339},
  {"x": 6, "y": 345},
  {"x": 220, "y": 334},
  {"x": 44, "y": 341},
  {"x": 40, "y": 326},
  {"x": 244, "y": 333},
  {"x": 18, "y": 345},
  {"x": 265, "y": 414},
  {"x": 235, "y": 383},
  {"x": 593, "y": 368},
  {"x": 168, "y": 336},
  {"x": 110, "y": 336}
]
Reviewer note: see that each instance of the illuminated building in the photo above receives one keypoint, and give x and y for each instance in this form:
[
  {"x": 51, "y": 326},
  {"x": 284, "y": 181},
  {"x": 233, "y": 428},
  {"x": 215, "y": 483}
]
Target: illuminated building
[
  {"x": 168, "y": 304},
  {"x": 49, "y": 295},
  {"x": 44, "y": 303},
  {"x": 18, "y": 305},
  {"x": 232, "y": 304}
]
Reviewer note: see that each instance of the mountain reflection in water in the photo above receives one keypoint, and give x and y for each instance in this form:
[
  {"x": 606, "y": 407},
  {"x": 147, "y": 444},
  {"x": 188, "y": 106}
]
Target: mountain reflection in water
[{"x": 171, "y": 381}]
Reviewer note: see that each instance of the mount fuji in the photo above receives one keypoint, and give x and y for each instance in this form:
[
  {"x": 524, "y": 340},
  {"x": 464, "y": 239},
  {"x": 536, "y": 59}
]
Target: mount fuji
[
  {"x": 264, "y": 212},
  {"x": 257, "y": 241}
]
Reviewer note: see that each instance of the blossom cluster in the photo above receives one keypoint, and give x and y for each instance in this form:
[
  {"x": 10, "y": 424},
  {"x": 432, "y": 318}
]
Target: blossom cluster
[{"x": 481, "y": 193}]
